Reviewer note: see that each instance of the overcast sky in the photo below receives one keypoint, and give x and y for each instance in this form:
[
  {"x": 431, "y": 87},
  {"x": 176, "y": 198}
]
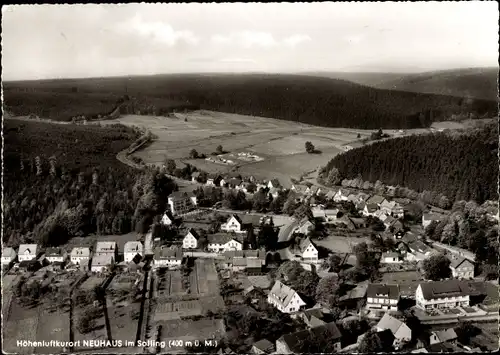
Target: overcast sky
[{"x": 53, "y": 41}]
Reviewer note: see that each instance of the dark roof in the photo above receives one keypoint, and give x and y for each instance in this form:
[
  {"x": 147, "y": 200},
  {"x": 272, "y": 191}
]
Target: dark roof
[
  {"x": 371, "y": 207},
  {"x": 167, "y": 253},
  {"x": 456, "y": 262},
  {"x": 296, "y": 341},
  {"x": 194, "y": 233},
  {"x": 236, "y": 217},
  {"x": 180, "y": 194},
  {"x": 53, "y": 252},
  {"x": 264, "y": 345},
  {"x": 419, "y": 246},
  {"x": 382, "y": 290},
  {"x": 441, "y": 289},
  {"x": 254, "y": 220}
]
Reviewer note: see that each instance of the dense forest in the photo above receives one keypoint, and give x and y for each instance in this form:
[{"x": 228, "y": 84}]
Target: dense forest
[
  {"x": 305, "y": 99},
  {"x": 460, "y": 166},
  {"x": 62, "y": 181},
  {"x": 478, "y": 83}
]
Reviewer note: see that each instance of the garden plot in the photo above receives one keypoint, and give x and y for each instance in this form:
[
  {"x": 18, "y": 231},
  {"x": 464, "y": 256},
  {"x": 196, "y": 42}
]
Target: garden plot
[
  {"x": 97, "y": 333},
  {"x": 55, "y": 326},
  {"x": 178, "y": 309},
  {"x": 92, "y": 282},
  {"x": 192, "y": 330},
  {"x": 206, "y": 274},
  {"x": 123, "y": 319}
]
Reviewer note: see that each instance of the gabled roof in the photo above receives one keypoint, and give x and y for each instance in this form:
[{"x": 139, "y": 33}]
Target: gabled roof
[
  {"x": 247, "y": 219},
  {"x": 221, "y": 238},
  {"x": 383, "y": 291},
  {"x": 391, "y": 254},
  {"x": 9, "y": 252},
  {"x": 236, "y": 217},
  {"x": 330, "y": 194},
  {"x": 105, "y": 247},
  {"x": 168, "y": 253},
  {"x": 304, "y": 244},
  {"x": 375, "y": 199},
  {"x": 275, "y": 182},
  {"x": 442, "y": 289},
  {"x": 318, "y": 212},
  {"x": 133, "y": 247},
  {"x": 193, "y": 233},
  {"x": 418, "y": 246},
  {"x": 457, "y": 262},
  {"x": 282, "y": 293},
  {"x": 391, "y": 323},
  {"x": 264, "y": 345},
  {"x": 53, "y": 252},
  {"x": 331, "y": 212},
  {"x": 390, "y": 220},
  {"x": 371, "y": 207},
  {"x": 102, "y": 260},
  {"x": 83, "y": 252},
  {"x": 28, "y": 248},
  {"x": 304, "y": 221},
  {"x": 445, "y": 335},
  {"x": 296, "y": 341}
]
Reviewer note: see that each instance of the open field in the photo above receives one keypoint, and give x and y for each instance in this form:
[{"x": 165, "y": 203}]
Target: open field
[
  {"x": 123, "y": 319},
  {"x": 280, "y": 143},
  {"x": 54, "y": 326},
  {"x": 339, "y": 244},
  {"x": 192, "y": 330}
]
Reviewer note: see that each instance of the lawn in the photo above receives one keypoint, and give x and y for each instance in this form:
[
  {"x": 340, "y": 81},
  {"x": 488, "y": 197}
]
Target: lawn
[
  {"x": 340, "y": 244},
  {"x": 55, "y": 326}
]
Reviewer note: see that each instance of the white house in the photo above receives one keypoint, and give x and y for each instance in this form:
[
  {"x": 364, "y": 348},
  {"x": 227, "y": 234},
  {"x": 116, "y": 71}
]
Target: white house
[
  {"x": 80, "y": 255},
  {"x": 285, "y": 298},
  {"x": 54, "y": 255},
  {"x": 190, "y": 240},
  {"x": 274, "y": 183},
  {"x": 392, "y": 208},
  {"x": 102, "y": 262},
  {"x": 419, "y": 251},
  {"x": 233, "y": 224},
  {"x": 181, "y": 202},
  {"x": 305, "y": 226},
  {"x": 308, "y": 251},
  {"x": 221, "y": 242},
  {"x": 443, "y": 336},
  {"x": 131, "y": 250},
  {"x": 370, "y": 209},
  {"x": 376, "y": 200},
  {"x": 318, "y": 212},
  {"x": 391, "y": 258},
  {"x": 8, "y": 256},
  {"x": 331, "y": 215},
  {"x": 462, "y": 268},
  {"x": 166, "y": 220},
  {"x": 401, "y": 332},
  {"x": 341, "y": 195},
  {"x": 382, "y": 297},
  {"x": 441, "y": 294},
  {"x": 107, "y": 248},
  {"x": 428, "y": 218},
  {"x": 27, "y": 252},
  {"x": 167, "y": 257}
]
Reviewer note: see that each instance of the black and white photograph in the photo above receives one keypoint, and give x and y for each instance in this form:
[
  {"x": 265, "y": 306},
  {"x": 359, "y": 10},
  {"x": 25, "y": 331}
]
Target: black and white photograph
[{"x": 250, "y": 178}]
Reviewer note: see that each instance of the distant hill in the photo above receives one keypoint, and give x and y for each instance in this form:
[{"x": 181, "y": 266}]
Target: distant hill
[
  {"x": 301, "y": 98},
  {"x": 460, "y": 166},
  {"x": 470, "y": 83}
]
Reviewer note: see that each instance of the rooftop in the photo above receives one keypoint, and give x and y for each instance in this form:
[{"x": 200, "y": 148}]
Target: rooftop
[
  {"x": 102, "y": 260},
  {"x": 28, "y": 249},
  {"x": 441, "y": 289},
  {"x": 133, "y": 247},
  {"x": 383, "y": 290}
]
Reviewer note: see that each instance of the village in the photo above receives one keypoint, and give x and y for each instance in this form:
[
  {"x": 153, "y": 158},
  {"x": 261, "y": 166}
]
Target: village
[{"x": 345, "y": 271}]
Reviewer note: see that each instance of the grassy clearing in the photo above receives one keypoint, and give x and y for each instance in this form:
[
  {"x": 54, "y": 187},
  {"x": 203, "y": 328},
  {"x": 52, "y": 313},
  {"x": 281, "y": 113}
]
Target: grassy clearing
[{"x": 340, "y": 244}]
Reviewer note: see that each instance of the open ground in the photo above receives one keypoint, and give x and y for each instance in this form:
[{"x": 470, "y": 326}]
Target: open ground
[{"x": 280, "y": 143}]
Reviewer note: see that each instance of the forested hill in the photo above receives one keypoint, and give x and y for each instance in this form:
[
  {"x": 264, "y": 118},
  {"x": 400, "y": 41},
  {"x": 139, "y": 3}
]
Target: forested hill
[
  {"x": 479, "y": 83},
  {"x": 305, "y": 99},
  {"x": 461, "y": 167}
]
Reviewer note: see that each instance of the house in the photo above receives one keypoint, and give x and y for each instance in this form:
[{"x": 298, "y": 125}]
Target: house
[
  {"x": 318, "y": 213},
  {"x": 307, "y": 250},
  {"x": 341, "y": 195},
  {"x": 263, "y": 346},
  {"x": 462, "y": 268},
  {"x": 30, "y": 265},
  {"x": 358, "y": 222},
  {"x": 312, "y": 317},
  {"x": 131, "y": 250},
  {"x": 166, "y": 219},
  {"x": 274, "y": 192},
  {"x": 382, "y": 297},
  {"x": 376, "y": 200},
  {"x": 213, "y": 180},
  {"x": 195, "y": 176},
  {"x": 392, "y": 208},
  {"x": 223, "y": 182},
  {"x": 330, "y": 195},
  {"x": 331, "y": 215},
  {"x": 346, "y": 221},
  {"x": 441, "y": 294},
  {"x": 27, "y": 252},
  {"x": 379, "y": 214},
  {"x": 313, "y": 190},
  {"x": 102, "y": 262},
  {"x": 370, "y": 209},
  {"x": 221, "y": 242},
  {"x": 285, "y": 298},
  {"x": 167, "y": 257},
  {"x": 274, "y": 183},
  {"x": 443, "y": 336},
  {"x": 107, "y": 248},
  {"x": 391, "y": 258},
  {"x": 428, "y": 218},
  {"x": 8, "y": 256},
  {"x": 300, "y": 189},
  {"x": 233, "y": 224},
  {"x": 80, "y": 256},
  {"x": 305, "y": 226},
  {"x": 190, "y": 240},
  {"x": 419, "y": 251},
  {"x": 181, "y": 202},
  {"x": 54, "y": 255},
  {"x": 401, "y": 332},
  {"x": 296, "y": 343}
]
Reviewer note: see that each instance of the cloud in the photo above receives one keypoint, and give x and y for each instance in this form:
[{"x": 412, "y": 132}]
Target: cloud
[
  {"x": 159, "y": 31},
  {"x": 355, "y": 38},
  {"x": 294, "y": 40},
  {"x": 248, "y": 39},
  {"x": 238, "y": 60}
]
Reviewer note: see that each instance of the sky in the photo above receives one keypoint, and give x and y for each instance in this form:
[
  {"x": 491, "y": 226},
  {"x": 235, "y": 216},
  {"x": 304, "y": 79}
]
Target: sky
[{"x": 73, "y": 41}]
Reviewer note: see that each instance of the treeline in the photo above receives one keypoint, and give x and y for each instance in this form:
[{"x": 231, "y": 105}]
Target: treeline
[
  {"x": 65, "y": 181},
  {"x": 460, "y": 167},
  {"x": 305, "y": 99}
]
